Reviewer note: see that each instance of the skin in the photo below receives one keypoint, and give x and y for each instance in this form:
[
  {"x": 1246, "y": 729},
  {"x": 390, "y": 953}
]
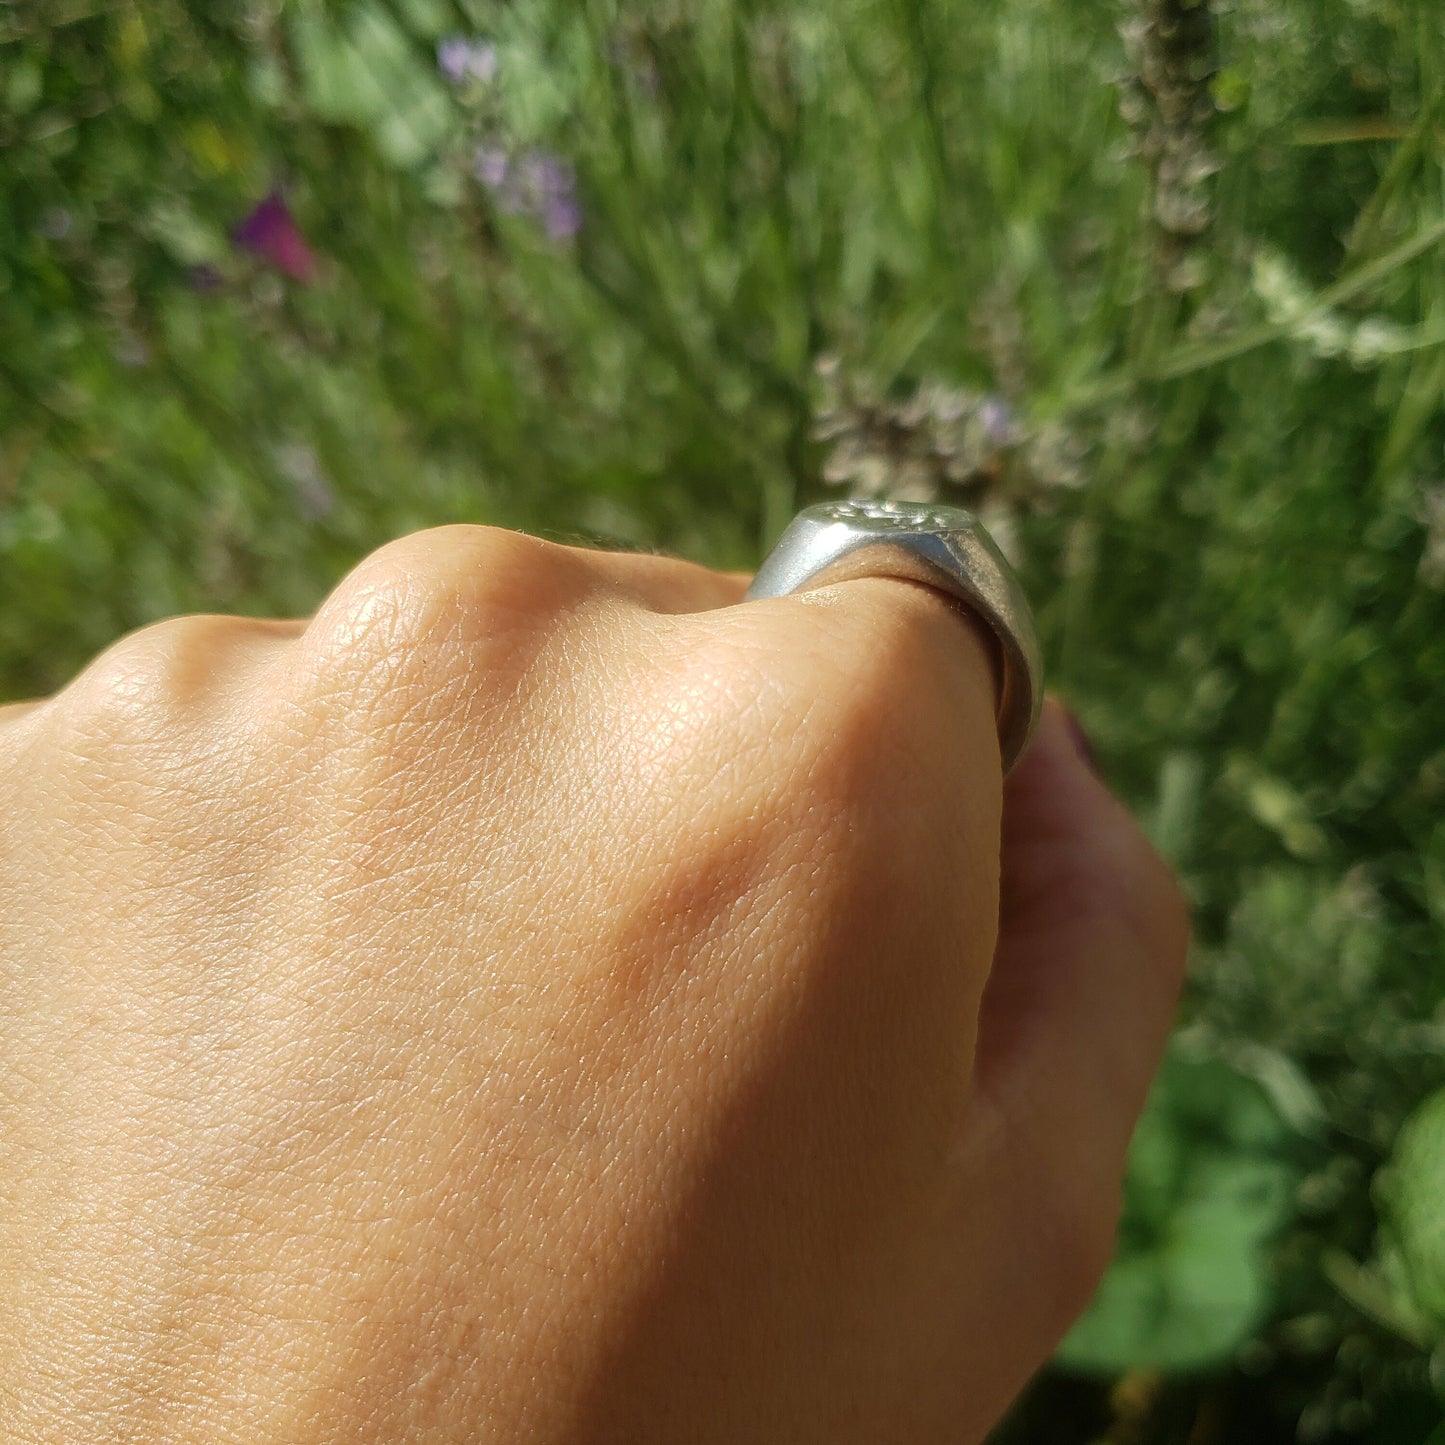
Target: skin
[{"x": 539, "y": 999}]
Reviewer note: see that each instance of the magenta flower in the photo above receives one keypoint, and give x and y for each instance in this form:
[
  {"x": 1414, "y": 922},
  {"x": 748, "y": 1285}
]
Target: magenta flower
[{"x": 271, "y": 233}]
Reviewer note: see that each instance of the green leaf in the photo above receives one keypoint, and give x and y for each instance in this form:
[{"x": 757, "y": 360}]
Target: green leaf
[
  {"x": 25, "y": 86},
  {"x": 1433, "y": 864},
  {"x": 1376, "y": 1294},
  {"x": 332, "y": 85},
  {"x": 1289, "y": 1088},
  {"x": 1176, "y": 807},
  {"x": 1209, "y": 1184},
  {"x": 370, "y": 75},
  {"x": 1275, "y": 805},
  {"x": 426, "y": 17},
  {"x": 1410, "y": 1190},
  {"x": 190, "y": 240}
]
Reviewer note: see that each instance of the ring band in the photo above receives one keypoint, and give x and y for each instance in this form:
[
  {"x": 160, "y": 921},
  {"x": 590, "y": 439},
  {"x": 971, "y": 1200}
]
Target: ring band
[{"x": 942, "y": 547}]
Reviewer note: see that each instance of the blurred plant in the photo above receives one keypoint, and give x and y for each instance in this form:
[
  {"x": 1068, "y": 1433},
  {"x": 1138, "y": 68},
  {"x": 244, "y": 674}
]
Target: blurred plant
[
  {"x": 1167, "y": 100},
  {"x": 943, "y": 443},
  {"x": 1432, "y": 516},
  {"x": 1212, "y": 1175},
  {"x": 1411, "y": 1189},
  {"x": 1403, "y": 1287}
]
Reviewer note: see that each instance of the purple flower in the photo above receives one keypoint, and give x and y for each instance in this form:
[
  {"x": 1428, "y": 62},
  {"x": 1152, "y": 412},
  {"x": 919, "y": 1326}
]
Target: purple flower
[
  {"x": 545, "y": 175},
  {"x": 537, "y": 183},
  {"x": 548, "y": 186},
  {"x": 997, "y": 419},
  {"x": 271, "y": 233},
  {"x": 490, "y": 165},
  {"x": 562, "y": 218},
  {"x": 461, "y": 59}
]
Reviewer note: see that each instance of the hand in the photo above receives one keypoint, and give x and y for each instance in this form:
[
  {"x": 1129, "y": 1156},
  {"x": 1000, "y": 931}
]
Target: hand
[{"x": 540, "y": 1000}]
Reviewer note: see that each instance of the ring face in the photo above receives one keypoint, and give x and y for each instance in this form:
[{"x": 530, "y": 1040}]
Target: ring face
[
  {"x": 940, "y": 546},
  {"x": 885, "y": 517}
]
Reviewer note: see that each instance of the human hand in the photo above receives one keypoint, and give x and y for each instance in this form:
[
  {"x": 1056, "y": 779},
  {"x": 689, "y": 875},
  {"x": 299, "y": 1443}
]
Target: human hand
[{"x": 539, "y": 1000}]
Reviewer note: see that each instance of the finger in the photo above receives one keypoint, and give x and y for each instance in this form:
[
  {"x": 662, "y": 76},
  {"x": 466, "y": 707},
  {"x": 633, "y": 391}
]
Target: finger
[
  {"x": 474, "y": 573},
  {"x": 913, "y": 637},
  {"x": 1091, "y": 957},
  {"x": 883, "y": 691},
  {"x": 667, "y": 584},
  {"x": 193, "y": 651}
]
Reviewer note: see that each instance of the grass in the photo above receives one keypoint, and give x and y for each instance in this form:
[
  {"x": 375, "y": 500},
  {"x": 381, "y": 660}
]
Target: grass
[{"x": 1194, "y": 272}]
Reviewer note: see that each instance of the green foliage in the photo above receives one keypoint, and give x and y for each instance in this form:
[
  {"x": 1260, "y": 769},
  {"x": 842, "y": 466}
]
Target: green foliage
[
  {"x": 1412, "y": 1195},
  {"x": 1193, "y": 276},
  {"x": 1211, "y": 1182},
  {"x": 365, "y": 71}
]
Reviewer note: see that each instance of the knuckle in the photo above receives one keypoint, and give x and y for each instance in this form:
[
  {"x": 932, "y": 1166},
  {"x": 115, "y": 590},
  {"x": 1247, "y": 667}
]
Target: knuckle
[
  {"x": 670, "y": 585},
  {"x": 454, "y": 580},
  {"x": 140, "y": 685}
]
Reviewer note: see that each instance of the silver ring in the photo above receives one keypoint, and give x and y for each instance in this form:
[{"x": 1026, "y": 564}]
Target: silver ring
[{"x": 942, "y": 547}]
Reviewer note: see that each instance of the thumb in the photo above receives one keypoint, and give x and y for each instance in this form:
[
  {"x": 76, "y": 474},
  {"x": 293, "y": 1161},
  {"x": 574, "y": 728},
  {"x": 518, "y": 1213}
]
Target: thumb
[{"x": 1092, "y": 947}]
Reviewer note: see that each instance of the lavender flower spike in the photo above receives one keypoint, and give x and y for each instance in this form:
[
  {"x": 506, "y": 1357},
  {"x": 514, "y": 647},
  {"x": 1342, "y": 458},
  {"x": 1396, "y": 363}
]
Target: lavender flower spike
[
  {"x": 536, "y": 183},
  {"x": 490, "y": 165},
  {"x": 562, "y": 218},
  {"x": 549, "y": 186},
  {"x": 997, "y": 419},
  {"x": 461, "y": 59}
]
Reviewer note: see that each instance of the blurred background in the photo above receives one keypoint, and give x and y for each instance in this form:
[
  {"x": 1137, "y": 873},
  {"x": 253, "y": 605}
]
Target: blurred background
[{"x": 1157, "y": 287}]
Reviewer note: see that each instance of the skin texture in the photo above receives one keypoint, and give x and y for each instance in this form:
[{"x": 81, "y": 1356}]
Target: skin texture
[{"x": 540, "y": 999}]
